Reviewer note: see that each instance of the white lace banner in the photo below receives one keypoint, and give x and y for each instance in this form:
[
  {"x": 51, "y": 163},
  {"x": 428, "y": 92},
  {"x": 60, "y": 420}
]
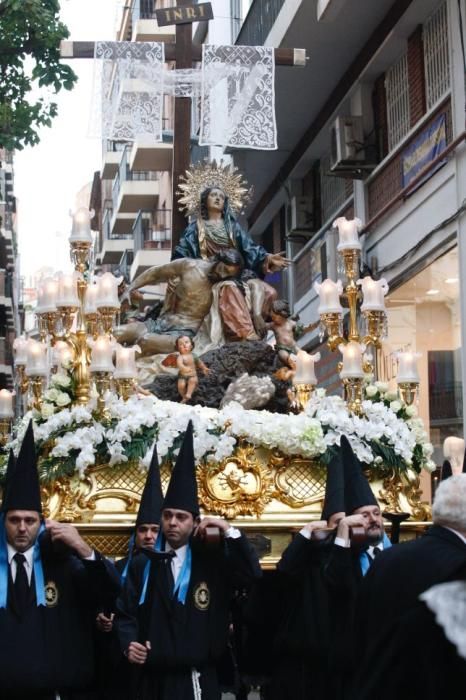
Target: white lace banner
[
  {"x": 128, "y": 90},
  {"x": 184, "y": 82},
  {"x": 238, "y": 97}
]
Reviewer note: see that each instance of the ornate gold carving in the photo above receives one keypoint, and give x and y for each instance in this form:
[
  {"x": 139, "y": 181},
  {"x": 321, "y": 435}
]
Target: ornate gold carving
[
  {"x": 391, "y": 490},
  {"x": 411, "y": 489},
  {"x": 239, "y": 485},
  {"x": 211, "y": 174},
  {"x": 111, "y": 544},
  {"x": 299, "y": 482}
]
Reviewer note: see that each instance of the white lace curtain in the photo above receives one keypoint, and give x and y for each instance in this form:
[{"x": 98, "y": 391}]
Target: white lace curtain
[{"x": 235, "y": 85}]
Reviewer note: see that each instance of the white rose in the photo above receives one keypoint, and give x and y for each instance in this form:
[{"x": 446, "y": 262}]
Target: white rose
[
  {"x": 47, "y": 410},
  {"x": 381, "y": 386},
  {"x": 430, "y": 466},
  {"x": 427, "y": 449},
  {"x": 395, "y": 406},
  {"x": 411, "y": 411},
  {"x": 51, "y": 395},
  {"x": 320, "y": 393},
  {"x": 61, "y": 380},
  {"x": 371, "y": 390},
  {"x": 62, "y": 399},
  {"x": 378, "y": 460},
  {"x": 391, "y": 396}
]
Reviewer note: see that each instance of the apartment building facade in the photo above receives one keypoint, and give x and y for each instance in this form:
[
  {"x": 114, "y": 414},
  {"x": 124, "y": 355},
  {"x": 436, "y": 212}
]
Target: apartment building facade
[
  {"x": 381, "y": 98},
  {"x": 9, "y": 280}
]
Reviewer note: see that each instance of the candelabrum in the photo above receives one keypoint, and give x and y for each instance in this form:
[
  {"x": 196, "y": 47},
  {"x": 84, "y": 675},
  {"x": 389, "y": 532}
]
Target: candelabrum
[
  {"x": 125, "y": 387},
  {"x": 408, "y": 392},
  {"x": 71, "y": 311},
  {"x": 302, "y": 394}
]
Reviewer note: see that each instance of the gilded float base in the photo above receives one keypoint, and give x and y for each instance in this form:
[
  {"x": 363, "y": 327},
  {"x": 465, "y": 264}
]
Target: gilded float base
[{"x": 267, "y": 494}]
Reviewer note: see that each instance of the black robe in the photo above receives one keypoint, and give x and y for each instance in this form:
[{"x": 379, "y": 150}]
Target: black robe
[
  {"x": 388, "y": 597},
  {"x": 189, "y": 636},
  {"x": 50, "y": 648},
  {"x": 301, "y": 641}
]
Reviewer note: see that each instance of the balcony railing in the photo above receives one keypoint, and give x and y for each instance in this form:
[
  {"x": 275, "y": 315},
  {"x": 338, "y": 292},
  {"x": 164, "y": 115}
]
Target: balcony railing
[
  {"x": 145, "y": 9},
  {"x": 125, "y": 174},
  {"x": 6, "y": 355},
  {"x": 259, "y": 21},
  {"x": 154, "y": 234}
]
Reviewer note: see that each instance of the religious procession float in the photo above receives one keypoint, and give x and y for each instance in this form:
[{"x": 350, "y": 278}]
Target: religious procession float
[{"x": 102, "y": 393}]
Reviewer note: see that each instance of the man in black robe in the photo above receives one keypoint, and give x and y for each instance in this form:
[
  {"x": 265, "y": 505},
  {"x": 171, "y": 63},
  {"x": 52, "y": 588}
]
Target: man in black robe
[
  {"x": 173, "y": 614},
  {"x": 114, "y": 672},
  {"x": 301, "y": 644},
  {"x": 346, "y": 565},
  {"x": 389, "y": 597},
  {"x": 50, "y": 583}
]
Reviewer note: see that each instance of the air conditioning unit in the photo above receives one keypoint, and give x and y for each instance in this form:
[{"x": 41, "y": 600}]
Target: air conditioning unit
[
  {"x": 347, "y": 144},
  {"x": 301, "y": 216}
]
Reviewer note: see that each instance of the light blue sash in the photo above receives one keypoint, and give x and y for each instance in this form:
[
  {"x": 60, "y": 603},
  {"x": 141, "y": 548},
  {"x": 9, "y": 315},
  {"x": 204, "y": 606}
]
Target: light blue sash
[
  {"x": 183, "y": 578},
  {"x": 365, "y": 560}
]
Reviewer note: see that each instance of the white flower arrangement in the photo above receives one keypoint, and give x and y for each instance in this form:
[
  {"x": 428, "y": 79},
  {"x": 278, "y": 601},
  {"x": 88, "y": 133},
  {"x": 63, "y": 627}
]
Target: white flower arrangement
[{"x": 71, "y": 439}]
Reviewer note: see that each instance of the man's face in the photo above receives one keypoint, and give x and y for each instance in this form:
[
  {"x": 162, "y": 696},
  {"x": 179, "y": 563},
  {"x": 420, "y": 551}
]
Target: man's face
[
  {"x": 146, "y": 534},
  {"x": 335, "y": 519},
  {"x": 373, "y": 523},
  {"x": 177, "y": 526},
  {"x": 222, "y": 271},
  {"x": 22, "y": 527},
  {"x": 215, "y": 200}
]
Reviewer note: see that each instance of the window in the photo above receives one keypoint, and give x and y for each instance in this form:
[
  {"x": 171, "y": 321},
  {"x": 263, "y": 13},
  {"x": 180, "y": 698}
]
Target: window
[
  {"x": 397, "y": 91},
  {"x": 333, "y": 190},
  {"x": 436, "y": 57}
]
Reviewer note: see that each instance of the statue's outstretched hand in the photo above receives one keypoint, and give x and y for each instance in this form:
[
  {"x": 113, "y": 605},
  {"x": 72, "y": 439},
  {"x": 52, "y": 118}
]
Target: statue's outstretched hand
[{"x": 276, "y": 262}]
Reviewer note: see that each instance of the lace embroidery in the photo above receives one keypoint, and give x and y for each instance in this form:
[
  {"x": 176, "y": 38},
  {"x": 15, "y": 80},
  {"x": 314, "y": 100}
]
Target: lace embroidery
[{"x": 448, "y": 603}]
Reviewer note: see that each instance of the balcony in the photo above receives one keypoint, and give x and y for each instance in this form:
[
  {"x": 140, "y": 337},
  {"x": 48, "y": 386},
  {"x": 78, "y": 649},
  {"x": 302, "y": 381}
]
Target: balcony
[
  {"x": 6, "y": 300},
  {"x": 133, "y": 190},
  {"x": 149, "y": 155},
  {"x": 110, "y": 164},
  {"x": 144, "y": 22},
  {"x": 114, "y": 245},
  {"x": 258, "y": 22},
  {"x": 6, "y": 361},
  {"x": 152, "y": 241}
]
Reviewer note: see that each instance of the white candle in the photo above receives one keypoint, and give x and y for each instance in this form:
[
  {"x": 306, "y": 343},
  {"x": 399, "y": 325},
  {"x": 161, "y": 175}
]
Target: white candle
[
  {"x": 352, "y": 359},
  {"x": 67, "y": 294},
  {"x": 6, "y": 404},
  {"x": 90, "y": 299},
  {"x": 81, "y": 227},
  {"x": 61, "y": 354},
  {"x": 407, "y": 367},
  {"x": 36, "y": 363},
  {"x": 305, "y": 368},
  {"x": 373, "y": 292},
  {"x": 126, "y": 362},
  {"x": 329, "y": 295},
  {"x": 348, "y": 233},
  {"x": 107, "y": 291},
  {"x": 101, "y": 357},
  {"x": 47, "y": 296},
  {"x": 20, "y": 350}
]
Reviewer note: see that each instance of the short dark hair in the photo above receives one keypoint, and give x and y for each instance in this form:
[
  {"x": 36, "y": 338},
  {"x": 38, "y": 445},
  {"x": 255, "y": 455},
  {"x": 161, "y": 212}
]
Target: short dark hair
[
  {"x": 281, "y": 308},
  {"x": 184, "y": 335},
  {"x": 229, "y": 256}
]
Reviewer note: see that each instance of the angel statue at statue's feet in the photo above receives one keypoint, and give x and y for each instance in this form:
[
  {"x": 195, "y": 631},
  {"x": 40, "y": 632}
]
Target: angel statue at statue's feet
[{"x": 211, "y": 194}]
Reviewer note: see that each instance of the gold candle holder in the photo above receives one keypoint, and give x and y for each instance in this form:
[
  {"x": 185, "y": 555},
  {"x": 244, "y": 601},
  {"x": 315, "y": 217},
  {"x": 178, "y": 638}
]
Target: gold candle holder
[
  {"x": 125, "y": 387},
  {"x": 66, "y": 314},
  {"x": 80, "y": 254},
  {"x": 353, "y": 394},
  {"x": 5, "y": 425},
  {"x": 91, "y": 323},
  {"x": 23, "y": 381},
  {"x": 107, "y": 316},
  {"x": 375, "y": 321},
  {"x": 333, "y": 323},
  {"x": 303, "y": 394},
  {"x": 408, "y": 392},
  {"x": 36, "y": 383},
  {"x": 102, "y": 384}
]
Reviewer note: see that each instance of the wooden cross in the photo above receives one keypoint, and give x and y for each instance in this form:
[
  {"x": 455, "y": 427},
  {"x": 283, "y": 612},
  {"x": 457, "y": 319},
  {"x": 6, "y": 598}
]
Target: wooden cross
[{"x": 184, "y": 53}]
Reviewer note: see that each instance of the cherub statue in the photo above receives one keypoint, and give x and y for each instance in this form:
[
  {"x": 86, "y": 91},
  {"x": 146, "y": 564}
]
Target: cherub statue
[
  {"x": 286, "y": 329},
  {"x": 188, "y": 364}
]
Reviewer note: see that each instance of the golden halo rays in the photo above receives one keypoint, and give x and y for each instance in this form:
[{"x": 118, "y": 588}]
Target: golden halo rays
[{"x": 212, "y": 174}]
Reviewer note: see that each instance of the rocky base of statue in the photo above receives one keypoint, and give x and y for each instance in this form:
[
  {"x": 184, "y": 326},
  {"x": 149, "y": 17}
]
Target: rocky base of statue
[{"x": 227, "y": 365}]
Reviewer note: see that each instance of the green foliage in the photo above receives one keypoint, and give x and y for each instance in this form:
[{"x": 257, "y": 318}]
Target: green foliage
[{"x": 30, "y": 69}]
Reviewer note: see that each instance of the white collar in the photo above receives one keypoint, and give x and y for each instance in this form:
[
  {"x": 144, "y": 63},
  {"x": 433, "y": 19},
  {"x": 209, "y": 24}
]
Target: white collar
[
  {"x": 458, "y": 534},
  {"x": 28, "y": 554},
  {"x": 180, "y": 553}
]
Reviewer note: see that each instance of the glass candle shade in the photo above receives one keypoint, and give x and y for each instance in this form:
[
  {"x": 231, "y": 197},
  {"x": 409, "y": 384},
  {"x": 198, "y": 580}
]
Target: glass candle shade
[
  {"x": 126, "y": 362},
  {"x": 305, "y": 368},
  {"x": 329, "y": 295},
  {"x": 36, "y": 362},
  {"x": 101, "y": 355},
  {"x": 407, "y": 367},
  {"x": 348, "y": 233},
  {"x": 373, "y": 292},
  {"x": 6, "y": 404},
  {"x": 107, "y": 291},
  {"x": 352, "y": 359},
  {"x": 81, "y": 227}
]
